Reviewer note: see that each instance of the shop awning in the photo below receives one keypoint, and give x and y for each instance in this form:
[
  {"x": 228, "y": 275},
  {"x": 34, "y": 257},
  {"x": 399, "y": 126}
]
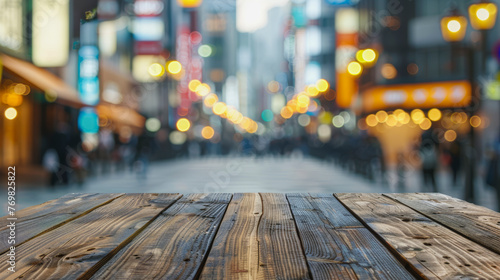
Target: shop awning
[
  {"x": 42, "y": 79},
  {"x": 121, "y": 115}
]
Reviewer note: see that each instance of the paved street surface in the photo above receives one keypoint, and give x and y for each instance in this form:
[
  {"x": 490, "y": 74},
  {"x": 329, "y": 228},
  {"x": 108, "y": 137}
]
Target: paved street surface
[{"x": 240, "y": 174}]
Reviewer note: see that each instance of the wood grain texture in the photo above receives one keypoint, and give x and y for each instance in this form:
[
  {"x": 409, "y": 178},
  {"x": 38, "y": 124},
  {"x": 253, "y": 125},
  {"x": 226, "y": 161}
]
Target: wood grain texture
[
  {"x": 479, "y": 224},
  {"x": 280, "y": 250},
  {"x": 38, "y": 219},
  {"x": 71, "y": 250},
  {"x": 175, "y": 245},
  {"x": 433, "y": 251},
  {"x": 337, "y": 245},
  {"x": 235, "y": 251}
]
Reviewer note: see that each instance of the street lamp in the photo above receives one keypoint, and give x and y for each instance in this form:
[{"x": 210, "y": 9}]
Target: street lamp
[
  {"x": 483, "y": 15},
  {"x": 453, "y": 27}
]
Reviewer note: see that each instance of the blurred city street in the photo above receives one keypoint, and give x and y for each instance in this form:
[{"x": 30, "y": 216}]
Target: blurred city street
[
  {"x": 242, "y": 174},
  {"x": 249, "y": 96}
]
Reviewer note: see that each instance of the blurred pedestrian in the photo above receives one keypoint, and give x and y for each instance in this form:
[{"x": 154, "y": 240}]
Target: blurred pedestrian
[
  {"x": 455, "y": 152},
  {"x": 429, "y": 159}
]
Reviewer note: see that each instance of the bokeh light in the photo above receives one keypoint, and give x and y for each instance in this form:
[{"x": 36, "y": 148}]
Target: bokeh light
[
  {"x": 153, "y": 124},
  {"x": 267, "y": 115},
  {"x": 193, "y": 84},
  {"x": 174, "y": 67},
  {"x": 434, "y": 114},
  {"x": 304, "y": 120},
  {"x": 156, "y": 70},
  {"x": 205, "y": 50},
  {"x": 381, "y": 116},
  {"x": 286, "y": 112},
  {"x": 338, "y": 121},
  {"x": 450, "y": 135},
  {"x": 322, "y": 85},
  {"x": 389, "y": 71},
  {"x": 210, "y": 100},
  {"x": 371, "y": 120},
  {"x": 475, "y": 121},
  {"x": 273, "y": 86},
  {"x": 425, "y": 124},
  {"x": 354, "y": 68},
  {"x": 207, "y": 132},
  {"x": 10, "y": 113},
  {"x": 177, "y": 137},
  {"x": 417, "y": 116},
  {"x": 369, "y": 55},
  {"x": 219, "y": 108},
  {"x": 183, "y": 124}
]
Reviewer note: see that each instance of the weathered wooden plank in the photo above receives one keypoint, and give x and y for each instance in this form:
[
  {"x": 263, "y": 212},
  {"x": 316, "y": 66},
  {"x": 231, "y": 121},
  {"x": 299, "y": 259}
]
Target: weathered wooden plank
[
  {"x": 478, "y": 223},
  {"x": 38, "y": 219},
  {"x": 235, "y": 251},
  {"x": 85, "y": 243},
  {"x": 280, "y": 251},
  {"x": 429, "y": 248},
  {"x": 175, "y": 245},
  {"x": 337, "y": 245}
]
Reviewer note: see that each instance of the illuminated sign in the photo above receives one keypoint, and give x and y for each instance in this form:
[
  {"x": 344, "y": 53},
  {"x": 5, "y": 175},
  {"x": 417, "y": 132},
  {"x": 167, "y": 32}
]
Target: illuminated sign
[
  {"x": 12, "y": 28},
  {"x": 88, "y": 71},
  {"x": 50, "y": 17},
  {"x": 346, "y": 27},
  {"x": 148, "y": 8},
  {"x": 426, "y": 95},
  {"x": 148, "y": 29},
  {"x": 88, "y": 121}
]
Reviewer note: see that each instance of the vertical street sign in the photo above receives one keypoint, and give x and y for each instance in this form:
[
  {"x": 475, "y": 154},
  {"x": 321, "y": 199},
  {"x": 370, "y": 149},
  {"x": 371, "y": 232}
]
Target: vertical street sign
[{"x": 88, "y": 71}]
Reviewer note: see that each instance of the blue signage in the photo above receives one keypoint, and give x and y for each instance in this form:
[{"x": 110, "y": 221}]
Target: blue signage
[
  {"x": 88, "y": 121},
  {"x": 88, "y": 74},
  {"x": 342, "y": 2}
]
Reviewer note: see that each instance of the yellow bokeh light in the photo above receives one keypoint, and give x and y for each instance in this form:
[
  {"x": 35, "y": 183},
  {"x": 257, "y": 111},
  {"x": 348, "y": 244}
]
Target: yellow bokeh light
[
  {"x": 253, "y": 127},
  {"x": 322, "y": 85},
  {"x": 450, "y": 135},
  {"x": 12, "y": 100},
  {"x": 405, "y": 119},
  {"x": 475, "y": 121},
  {"x": 381, "y": 116},
  {"x": 354, "y": 68},
  {"x": 183, "y": 124},
  {"x": 371, "y": 120},
  {"x": 391, "y": 120},
  {"x": 156, "y": 70},
  {"x": 203, "y": 89},
  {"x": 174, "y": 67},
  {"x": 210, "y": 100},
  {"x": 219, "y": 108},
  {"x": 193, "y": 84},
  {"x": 286, "y": 112},
  {"x": 245, "y": 123},
  {"x": 369, "y": 55},
  {"x": 303, "y": 101},
  {"x": 207, "y": 132},
  {"x": 312, "y": 91},
  {"x": 10, "y": 113},
  {"x": 425, "y": 124},
  {"x": 434, "y": 114},
  {"x": 417, "y": 116}
]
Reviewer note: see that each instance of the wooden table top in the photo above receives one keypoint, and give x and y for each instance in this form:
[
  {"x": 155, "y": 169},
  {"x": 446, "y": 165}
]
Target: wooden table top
[{"x": 254, "y": 236}]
